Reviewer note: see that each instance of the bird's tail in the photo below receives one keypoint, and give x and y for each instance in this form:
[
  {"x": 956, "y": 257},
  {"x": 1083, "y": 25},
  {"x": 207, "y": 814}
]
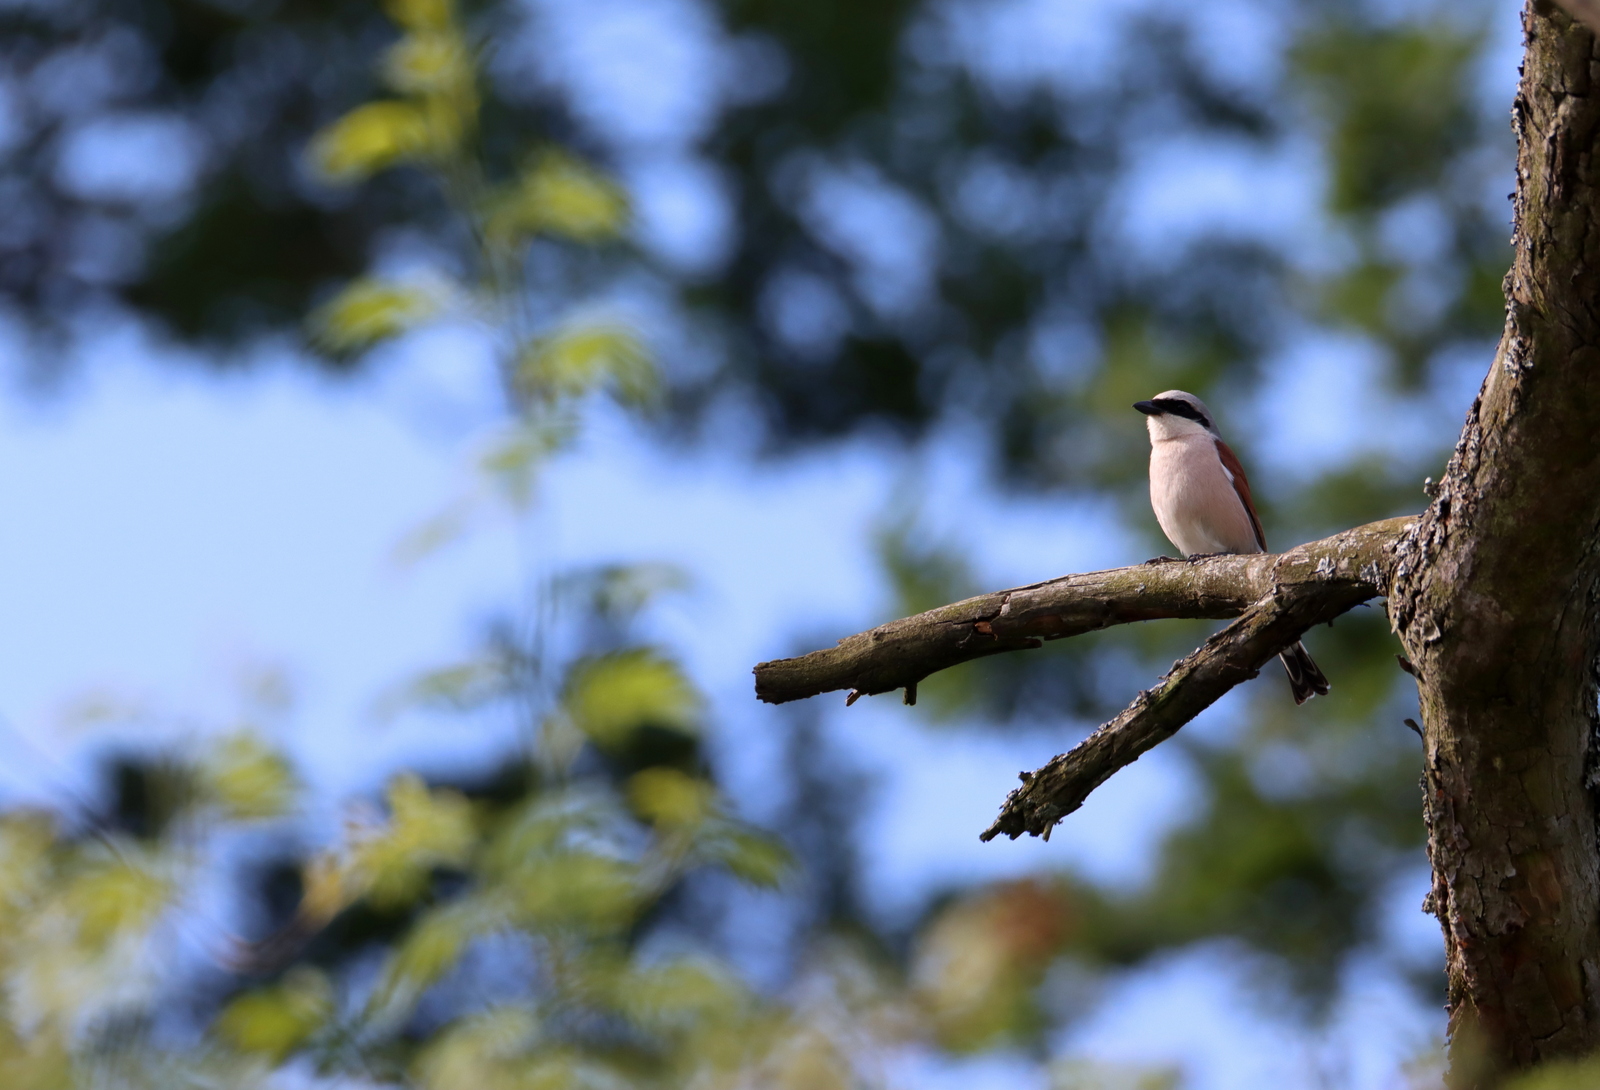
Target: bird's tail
[{"x": 1304, "y": 677}]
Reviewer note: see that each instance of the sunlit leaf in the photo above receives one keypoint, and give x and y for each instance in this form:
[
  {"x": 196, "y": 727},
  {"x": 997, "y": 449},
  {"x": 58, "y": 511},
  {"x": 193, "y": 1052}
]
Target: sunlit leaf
[
  {"x": 246, "y": 778},
  {"x": 429, "y": 62},
  {"x": 85, "y": 947},
  {"x": 369, "y": 311},
  {"x": 391, "y": 862},
  {"x": 585, "y": 356},
  {"x": 576, "y": 891},
  {"x": 680, "y": 995},
  {"x": 275, "y": 1021},
  {"x": 611, "y": 696},
  {"x": 327, "y": 888},
  {"x": 26, "y": 839},
  {"x": 421, "y": 15},
  {"x": 378, "y": 135},
  {"x": 472, "y": 1053},
  {"x": 559, "y": 195},
  {"x": 669, "y": 798},
  {"x": 426, "y": 829},
  {"x": 37, "y": 1061},
  {"x": 117, "y": 894}
]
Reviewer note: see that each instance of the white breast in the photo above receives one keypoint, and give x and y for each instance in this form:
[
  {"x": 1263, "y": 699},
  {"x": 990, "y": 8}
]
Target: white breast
[{"x": 1194, "y": 498}]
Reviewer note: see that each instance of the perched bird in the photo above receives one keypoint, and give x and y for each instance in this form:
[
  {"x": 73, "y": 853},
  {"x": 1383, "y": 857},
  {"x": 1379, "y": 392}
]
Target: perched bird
[{"x": 1202, "y": 501}]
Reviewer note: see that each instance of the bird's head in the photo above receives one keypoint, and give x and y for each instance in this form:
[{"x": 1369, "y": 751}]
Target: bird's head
[{"x": 1175, "y": 414}]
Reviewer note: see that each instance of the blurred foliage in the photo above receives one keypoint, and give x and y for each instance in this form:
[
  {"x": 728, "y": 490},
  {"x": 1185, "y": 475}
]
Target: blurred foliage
[
  {"x": 559, "y": 195},
  {"x": 1559, "y": 1075},
  {"x": 369, "y": 311},
  {"x": 1034, "y": 312}
]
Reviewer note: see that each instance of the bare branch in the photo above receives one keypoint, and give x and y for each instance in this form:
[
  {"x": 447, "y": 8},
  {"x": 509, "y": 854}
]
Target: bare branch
[
  {"x": 1235, "y": 654},
  {"x": 1352, "y": 566}
]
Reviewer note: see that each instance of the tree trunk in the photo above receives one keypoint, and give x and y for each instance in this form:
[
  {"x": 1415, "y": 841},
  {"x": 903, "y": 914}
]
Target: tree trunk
[{"x": 1497, "y": 601}]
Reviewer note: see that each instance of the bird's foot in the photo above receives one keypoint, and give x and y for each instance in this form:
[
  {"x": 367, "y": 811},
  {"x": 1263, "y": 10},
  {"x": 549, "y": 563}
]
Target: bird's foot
[
  {"x": 1164, "y": 560},
  {"x": 1206, "y": 556}
]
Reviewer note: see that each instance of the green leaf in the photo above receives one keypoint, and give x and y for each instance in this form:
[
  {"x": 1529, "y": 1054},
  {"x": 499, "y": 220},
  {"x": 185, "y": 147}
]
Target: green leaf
[
  {"x": 669, "y": 798},
  {"x": 610, "y": 697},
  {"x": 391, "y": 863},
  {"x": 421, "y": 15},
  {"x": 559, "y": 195},
  {"x": 429, "y": 62},
  {"x": 26, "y": 842},
  {"x": 584, "y": 356},
  {"x": 246, "y": 778},
  {"x": 118, "y": 894},
  {"x": 427, "y": 829},
  {"x": 374, "y": 136},
  {"x": 576, "y": 891},
  {"x": 369, "y": 311},
  {"x": 275, "y": 1021},
  {"x": 476, "y": 1052},
  {"x": 681, "y": 995}
]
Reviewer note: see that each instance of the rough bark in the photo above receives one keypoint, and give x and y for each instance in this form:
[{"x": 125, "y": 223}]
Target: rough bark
[
  {"x": 901, "y": 653},
  {"x": 1495, "y": 600},
  {"x": 1586, "y": 12}
]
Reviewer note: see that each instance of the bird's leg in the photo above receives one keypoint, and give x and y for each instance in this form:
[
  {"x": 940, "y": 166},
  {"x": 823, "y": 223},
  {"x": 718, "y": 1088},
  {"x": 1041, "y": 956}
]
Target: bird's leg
[
  {"x": 1164, "y": 560},
  {"x": 1206, "y": 556}
]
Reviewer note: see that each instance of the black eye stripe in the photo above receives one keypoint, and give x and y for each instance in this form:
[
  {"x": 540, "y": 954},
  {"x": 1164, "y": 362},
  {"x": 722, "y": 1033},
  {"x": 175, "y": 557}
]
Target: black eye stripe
[{"x": 1181, "y": 408}]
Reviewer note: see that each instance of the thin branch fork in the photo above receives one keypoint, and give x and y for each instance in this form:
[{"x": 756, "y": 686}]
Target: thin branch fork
[{"x": 1276, "y": 598}]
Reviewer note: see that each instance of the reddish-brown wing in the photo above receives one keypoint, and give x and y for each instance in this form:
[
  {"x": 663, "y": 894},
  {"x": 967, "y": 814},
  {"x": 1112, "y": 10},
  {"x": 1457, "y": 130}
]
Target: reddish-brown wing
[{"x": 1241, "y": 485}]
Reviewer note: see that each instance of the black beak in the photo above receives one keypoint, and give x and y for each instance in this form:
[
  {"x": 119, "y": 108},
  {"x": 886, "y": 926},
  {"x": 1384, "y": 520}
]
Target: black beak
[{"x": 1149, "y": 408}]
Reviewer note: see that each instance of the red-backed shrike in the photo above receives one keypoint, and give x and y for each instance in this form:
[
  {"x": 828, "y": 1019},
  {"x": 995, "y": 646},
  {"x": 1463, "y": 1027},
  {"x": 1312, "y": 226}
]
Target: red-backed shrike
[{"x": 1202, "y": 501}]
